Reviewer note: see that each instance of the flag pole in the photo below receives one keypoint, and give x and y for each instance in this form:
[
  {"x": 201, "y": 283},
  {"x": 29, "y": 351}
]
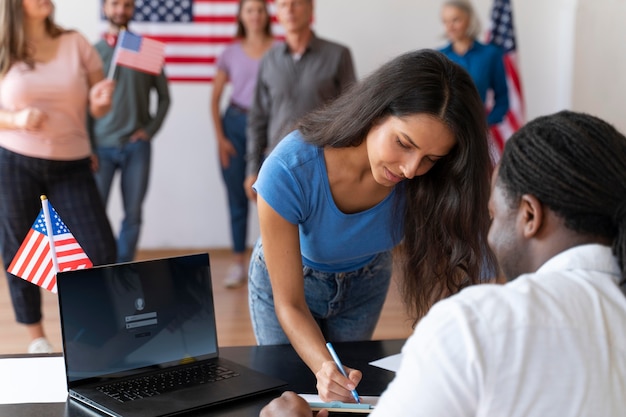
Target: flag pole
[
  {"x": 46, "y": 215},
  {"x": 113, "y": 66}
]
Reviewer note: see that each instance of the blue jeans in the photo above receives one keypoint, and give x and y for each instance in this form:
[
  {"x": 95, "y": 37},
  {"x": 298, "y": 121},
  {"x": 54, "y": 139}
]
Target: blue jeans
[
  {"x": 345, "y": 305},
  {"x": 234, "y": 125},
  {"x": 133, "y": 161}
]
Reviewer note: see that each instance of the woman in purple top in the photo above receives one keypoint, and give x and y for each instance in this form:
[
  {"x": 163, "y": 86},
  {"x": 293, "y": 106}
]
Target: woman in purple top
[{"x": 238, "y": 64}]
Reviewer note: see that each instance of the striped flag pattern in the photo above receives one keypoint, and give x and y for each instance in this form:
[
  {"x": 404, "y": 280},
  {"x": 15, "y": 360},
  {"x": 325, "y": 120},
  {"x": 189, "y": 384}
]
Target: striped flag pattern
[
  {"x": 194, "y": 32},
  {"x": 139, "y": 53},
  {"x": 503, "y": 35},
  {"x": 33, "y": 261}
]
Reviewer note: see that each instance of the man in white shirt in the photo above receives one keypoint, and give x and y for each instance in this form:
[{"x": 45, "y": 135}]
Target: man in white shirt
[{"x": 551, "y": 342}]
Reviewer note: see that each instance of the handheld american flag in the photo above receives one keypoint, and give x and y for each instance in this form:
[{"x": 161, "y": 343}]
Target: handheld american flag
[
  {"x": 503, "y": 35},
  {"x": 195, "y": 32},
  {"x": 38, "y": 260},
  {"x": 139, "y": 53}
]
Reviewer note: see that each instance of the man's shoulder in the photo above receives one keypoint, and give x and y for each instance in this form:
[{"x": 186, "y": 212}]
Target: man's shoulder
[
  {"x": 329, "y": 44},
  {"x": 275, "y": 53},
  {"x": 101, "y": 46}
]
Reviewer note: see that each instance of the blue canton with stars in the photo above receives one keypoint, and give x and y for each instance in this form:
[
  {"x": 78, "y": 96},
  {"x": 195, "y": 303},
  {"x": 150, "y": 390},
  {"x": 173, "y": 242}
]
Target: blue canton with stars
[
  {"x": 58, "y": 226},
  {"x": 502, "y": 33},
  {"x": 163, "y": 11}
]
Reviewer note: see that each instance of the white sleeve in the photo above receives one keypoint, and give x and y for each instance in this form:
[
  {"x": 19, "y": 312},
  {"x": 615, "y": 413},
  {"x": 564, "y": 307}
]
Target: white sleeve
[{"x": 443, "y": 367}]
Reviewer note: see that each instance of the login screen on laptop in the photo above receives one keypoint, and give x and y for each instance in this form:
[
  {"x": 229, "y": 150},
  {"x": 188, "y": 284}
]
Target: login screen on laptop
[{"x": 141, "y": 315}]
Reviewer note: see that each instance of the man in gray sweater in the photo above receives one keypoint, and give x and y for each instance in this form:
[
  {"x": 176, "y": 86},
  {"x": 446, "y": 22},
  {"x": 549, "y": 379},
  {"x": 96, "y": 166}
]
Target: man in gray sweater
[
  {"x": 122, "y": 138},
  {"x": 294, "y": 78}
]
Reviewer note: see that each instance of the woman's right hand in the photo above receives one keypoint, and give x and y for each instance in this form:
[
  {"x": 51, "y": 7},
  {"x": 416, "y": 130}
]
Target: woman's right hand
[
  {"x": 226, "y": 150},
  {"x": 29, "y": 118},
  {"x": 333, "y": 386}
]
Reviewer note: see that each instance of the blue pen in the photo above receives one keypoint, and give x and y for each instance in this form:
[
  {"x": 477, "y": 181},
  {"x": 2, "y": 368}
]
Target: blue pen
[{"x": 340, "y": 366}]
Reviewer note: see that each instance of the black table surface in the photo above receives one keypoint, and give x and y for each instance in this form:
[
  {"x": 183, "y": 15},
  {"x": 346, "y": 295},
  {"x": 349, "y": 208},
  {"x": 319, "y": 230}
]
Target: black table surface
[{"x": 280, "y": 361}]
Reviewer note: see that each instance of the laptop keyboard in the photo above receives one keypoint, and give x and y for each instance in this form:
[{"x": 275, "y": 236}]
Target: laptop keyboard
[{"x": 151, "y": 385}]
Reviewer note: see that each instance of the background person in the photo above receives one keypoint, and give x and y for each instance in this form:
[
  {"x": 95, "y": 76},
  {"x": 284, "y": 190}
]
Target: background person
[
  {"x": 294, "y": 78},
  {"x": 49, "y": 79},
  {"x": 123, "y": 138},
  {"x": 239, "y": 64},
  {"x": 551, "y": 341},
  {"x": 485, "y": 63},
  {"x": 401, "y": 156}
]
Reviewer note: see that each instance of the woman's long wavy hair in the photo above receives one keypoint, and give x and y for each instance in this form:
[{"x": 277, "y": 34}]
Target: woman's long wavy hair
[
  {"x": 241, "y": 29},
  {"x": 13, "y": 45},
  {"x": 445, "y": 218}
]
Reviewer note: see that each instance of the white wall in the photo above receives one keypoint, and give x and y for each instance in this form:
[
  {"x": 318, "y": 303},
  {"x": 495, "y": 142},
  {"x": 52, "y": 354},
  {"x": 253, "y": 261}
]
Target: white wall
[{"x": 571, "y": 55}]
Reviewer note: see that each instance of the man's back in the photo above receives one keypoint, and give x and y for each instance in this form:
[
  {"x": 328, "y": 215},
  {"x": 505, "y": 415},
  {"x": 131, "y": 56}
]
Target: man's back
[{"x": 555, "y": 337}]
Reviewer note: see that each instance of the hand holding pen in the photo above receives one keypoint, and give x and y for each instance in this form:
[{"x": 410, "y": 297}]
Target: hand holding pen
[{"x": 332, "y": 352}]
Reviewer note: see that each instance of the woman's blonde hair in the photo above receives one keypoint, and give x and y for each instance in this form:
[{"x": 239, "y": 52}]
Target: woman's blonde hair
[{"x": 473, "y": 30}]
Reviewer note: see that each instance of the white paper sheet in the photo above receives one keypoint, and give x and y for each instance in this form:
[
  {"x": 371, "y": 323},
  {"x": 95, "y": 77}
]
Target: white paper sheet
[
  {"x": 32, "y": 380},
  {"x": 365, "y": 399},
  {"x": 390, "y": 363}
]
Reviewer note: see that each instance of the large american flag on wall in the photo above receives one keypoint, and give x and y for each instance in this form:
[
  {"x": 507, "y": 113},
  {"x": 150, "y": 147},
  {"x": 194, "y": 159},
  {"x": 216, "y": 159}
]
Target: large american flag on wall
[
  {"x": 503, "y": 34},
  {"x": 195, "y": 33}
]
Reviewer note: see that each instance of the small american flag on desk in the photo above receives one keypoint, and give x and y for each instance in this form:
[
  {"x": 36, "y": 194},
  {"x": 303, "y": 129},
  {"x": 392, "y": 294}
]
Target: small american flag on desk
[
  {"x": 194, "y": 32},
  {"x": 35, "y": 260}
]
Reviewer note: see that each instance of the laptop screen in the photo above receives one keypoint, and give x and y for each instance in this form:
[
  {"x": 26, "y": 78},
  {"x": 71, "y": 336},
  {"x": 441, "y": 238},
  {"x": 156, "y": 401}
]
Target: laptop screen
[{"x": 119, "y": 318}]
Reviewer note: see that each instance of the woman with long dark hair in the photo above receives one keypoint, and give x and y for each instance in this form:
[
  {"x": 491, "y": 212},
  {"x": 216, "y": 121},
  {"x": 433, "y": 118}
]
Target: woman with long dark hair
[{"x": 398, "y": 161}]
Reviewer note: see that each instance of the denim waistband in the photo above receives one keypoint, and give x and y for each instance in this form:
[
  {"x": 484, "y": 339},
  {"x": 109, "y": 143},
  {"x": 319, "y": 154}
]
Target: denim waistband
[{"x": 237, "y": 107}]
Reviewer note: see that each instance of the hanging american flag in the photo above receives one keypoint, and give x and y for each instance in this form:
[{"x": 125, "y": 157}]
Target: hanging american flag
[
  {"x": 34, "y": 260},
  {"x": 503, "y": 34},
  {"x": 194, "y": 31}
]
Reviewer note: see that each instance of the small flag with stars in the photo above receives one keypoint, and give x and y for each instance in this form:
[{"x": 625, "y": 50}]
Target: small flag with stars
[
  {"x": 139, "y": 53},
  {"x": 41, "y": 256},
  {"x": 195, "y": 32}
]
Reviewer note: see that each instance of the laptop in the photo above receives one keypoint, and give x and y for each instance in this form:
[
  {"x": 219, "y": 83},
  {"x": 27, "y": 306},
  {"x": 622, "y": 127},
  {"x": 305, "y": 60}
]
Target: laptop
[{"x": 140, "y": 339}]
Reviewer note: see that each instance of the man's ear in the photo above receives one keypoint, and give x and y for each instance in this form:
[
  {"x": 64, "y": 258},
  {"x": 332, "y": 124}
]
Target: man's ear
[{"x": 531, "y": 215}]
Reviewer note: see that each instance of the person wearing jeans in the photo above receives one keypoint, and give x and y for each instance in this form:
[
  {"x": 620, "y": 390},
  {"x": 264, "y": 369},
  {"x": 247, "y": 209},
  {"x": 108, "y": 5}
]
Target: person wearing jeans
[
  {"x": 133, "y": 161},
  {"x": 122, "y": 139},
  {"x": 345, "y": 305},
  {"x": 238, "y": 65}
]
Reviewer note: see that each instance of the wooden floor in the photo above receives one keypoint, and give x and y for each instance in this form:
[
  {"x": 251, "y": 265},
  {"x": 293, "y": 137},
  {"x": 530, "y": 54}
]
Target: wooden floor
[{"x": 233, "y": 320}]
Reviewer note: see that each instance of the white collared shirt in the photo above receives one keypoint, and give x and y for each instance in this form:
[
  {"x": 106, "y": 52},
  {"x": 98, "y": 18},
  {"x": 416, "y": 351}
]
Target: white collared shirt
[{"x": 551, "y": 343}]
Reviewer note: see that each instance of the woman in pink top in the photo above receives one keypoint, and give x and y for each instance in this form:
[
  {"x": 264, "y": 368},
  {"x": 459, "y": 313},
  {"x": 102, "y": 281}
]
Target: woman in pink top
[
  {"x": 49, "y": 79},
  {"x": 239, "y": 64}
]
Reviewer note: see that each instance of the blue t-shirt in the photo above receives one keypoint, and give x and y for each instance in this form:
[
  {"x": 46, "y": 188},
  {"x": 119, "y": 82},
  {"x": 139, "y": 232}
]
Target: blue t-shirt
[
  {"x": 294, "y": 182},
  {"x": 485, "y": 64}
]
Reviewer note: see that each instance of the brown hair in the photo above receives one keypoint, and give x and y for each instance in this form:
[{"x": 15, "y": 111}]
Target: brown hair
[
  {"x": 444, "y": 243},
  {"x": 13, "y": 45},
  {"x": 241, "y": 30}
]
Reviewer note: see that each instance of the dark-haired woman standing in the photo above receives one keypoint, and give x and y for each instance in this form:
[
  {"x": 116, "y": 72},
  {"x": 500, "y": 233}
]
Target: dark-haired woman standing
[{"x": 399, "y": 159}]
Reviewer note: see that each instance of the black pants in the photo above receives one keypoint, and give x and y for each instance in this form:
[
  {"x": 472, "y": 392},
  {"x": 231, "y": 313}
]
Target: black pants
[{"x": 71, "y": 189}]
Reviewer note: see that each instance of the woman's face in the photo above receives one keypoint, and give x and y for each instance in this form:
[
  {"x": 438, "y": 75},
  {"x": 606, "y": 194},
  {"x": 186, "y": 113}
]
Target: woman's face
[
  {"x": 456, "y": 22},
  {"x": 401, "y": 148},
  {"x": 253, "y": 15},
  {"x": 37, "y": 9}
]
